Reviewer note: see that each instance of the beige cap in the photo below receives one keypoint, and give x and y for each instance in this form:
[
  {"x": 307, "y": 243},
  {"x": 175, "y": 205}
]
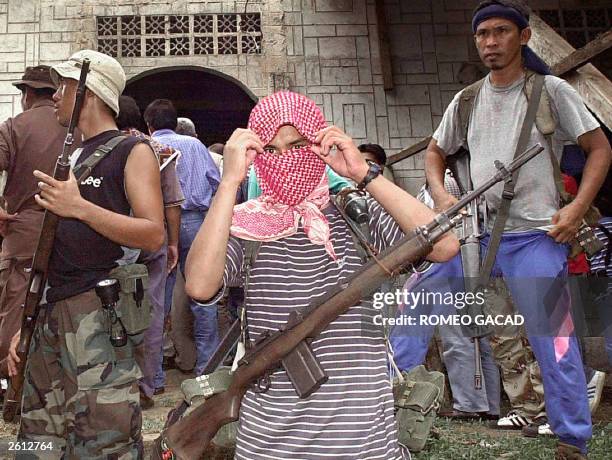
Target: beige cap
[{"x": 106, "y": 78}]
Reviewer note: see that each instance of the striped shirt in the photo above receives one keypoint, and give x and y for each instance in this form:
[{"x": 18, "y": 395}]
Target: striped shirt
[
  {"x": 351, "y": 415},
  {"x": 598, "y": 261}
]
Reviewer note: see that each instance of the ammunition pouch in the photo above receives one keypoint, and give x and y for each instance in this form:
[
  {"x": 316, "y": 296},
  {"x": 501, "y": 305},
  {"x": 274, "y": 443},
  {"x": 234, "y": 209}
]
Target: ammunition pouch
[
  {"x": 417, "y": 400},
  {"x": 133, "y": 308},
  {"x": 197, "y": 390}
]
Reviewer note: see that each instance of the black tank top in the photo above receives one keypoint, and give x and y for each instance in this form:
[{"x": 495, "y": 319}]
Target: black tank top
[{"x": 81, "y": 256}]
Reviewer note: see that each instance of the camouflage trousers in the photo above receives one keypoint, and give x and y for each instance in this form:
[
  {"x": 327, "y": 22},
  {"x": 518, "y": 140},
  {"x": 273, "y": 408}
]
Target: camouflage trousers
[
  {"x": 81, "y": 393},
  {"x": 521, "y": 377}
]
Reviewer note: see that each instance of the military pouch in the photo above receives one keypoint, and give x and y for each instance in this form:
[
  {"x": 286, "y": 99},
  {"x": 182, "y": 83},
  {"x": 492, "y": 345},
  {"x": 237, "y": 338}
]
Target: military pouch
[
  {"x": 198, "y": 390},
  {"x": 133, "y": 307},
  {"x": 417, "y": 400},
  {"x": 585, "y": 240}
]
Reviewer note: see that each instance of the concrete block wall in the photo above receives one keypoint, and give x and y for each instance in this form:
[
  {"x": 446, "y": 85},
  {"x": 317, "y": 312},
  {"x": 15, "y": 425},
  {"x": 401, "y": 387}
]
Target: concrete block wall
[
  {"x": 46, "y": 32},
  {"x": 327, "y": 49},
  {"x": 334, "y": 57}
]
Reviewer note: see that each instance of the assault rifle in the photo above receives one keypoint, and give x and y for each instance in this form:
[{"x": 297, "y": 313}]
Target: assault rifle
[
  {"x": 470, "y": 235},
  {"x": 38, "y": 274},
  {"x": 190, "y": 437}
]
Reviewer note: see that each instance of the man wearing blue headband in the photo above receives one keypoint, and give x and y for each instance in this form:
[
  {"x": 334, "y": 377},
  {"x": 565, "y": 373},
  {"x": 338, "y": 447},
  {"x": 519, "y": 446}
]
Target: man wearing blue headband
[{"x": 535, "y": 235}]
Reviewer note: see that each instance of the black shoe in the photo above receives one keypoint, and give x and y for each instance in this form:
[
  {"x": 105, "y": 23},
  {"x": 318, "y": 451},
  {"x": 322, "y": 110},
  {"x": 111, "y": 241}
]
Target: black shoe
[
  {"x": 159, "y": 391},
  {"x": 145, "y": 401},
  {"x": 168, "y": 362}
]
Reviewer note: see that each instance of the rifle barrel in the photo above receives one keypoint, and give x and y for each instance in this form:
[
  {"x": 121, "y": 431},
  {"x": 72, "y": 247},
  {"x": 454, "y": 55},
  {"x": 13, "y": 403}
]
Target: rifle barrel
[{"x": 76, "y": 112}]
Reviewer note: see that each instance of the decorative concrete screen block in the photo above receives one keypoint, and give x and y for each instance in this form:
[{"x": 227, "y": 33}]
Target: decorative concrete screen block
[{"x": 179, "y": 35}]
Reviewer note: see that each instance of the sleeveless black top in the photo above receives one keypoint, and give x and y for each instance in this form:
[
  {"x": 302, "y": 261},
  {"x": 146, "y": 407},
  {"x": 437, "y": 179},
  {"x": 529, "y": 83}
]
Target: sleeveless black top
[{"x": 81, "y": 256}]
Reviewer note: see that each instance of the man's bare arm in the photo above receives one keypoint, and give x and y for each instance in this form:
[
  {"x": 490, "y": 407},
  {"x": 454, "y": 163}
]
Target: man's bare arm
[
  {"x": 599, "y": 155},
  {"x": 568, "y": 219},
  {"x": 409, "y": 213},
  {"x": 406, "y": 210},
  {"x": 173, "y": 225},
  {"x": 435, "y": 168},
  {"x": 143, "y": 230},
  {"x": 206, "y": 259}
]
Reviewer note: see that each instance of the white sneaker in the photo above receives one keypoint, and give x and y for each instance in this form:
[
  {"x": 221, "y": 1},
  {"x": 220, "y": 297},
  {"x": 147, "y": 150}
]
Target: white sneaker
[
  {"x": 512, "y": 421},
  {"x": 539, "y": 427},
  {"x": 594, "y": 390},
  {"x": 544, "y": 430}
]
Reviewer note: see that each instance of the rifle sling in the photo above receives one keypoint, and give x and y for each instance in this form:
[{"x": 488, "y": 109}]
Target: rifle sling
[
  {"x": 84, "y": 169},
  {"x": 508, "y": 193},
  {"x": 251, "y": 251},
  {"x": 362, "y": 237}
]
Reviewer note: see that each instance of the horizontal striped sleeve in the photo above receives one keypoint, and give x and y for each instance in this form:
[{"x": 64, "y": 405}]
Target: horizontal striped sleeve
[
  {"x": 385, "y": 231},
  {"x": 232, "y": 275}
]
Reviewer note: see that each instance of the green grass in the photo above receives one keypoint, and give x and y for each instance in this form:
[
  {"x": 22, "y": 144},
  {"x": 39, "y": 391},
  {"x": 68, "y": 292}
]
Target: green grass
[
  {"x": 465, "y": 440},
  {"x": 152, "y": 425}
]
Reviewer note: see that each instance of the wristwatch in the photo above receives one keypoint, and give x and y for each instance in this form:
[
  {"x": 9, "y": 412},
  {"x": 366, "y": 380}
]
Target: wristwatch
[{"x": 374, "y": 171}]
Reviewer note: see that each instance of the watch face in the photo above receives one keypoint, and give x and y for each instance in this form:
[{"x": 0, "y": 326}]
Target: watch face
[
  {"x": 373, "y": 171},
  {"x": 374, "y": 167}
]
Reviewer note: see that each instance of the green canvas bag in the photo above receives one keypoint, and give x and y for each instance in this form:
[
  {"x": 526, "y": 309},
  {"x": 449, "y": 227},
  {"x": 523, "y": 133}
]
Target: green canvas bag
[{"x": 417, "y": 400}]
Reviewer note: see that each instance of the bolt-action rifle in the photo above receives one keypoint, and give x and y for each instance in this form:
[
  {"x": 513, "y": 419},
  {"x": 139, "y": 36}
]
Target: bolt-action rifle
[
  {"x": 38, "y": 274},
  {"x": 190, "y": 437}
]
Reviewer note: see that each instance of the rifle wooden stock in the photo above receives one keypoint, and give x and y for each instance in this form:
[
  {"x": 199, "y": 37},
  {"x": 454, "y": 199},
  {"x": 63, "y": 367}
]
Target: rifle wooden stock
[
  {"x": 189, "y": 438},
  {"x": 38, "y": 274}
]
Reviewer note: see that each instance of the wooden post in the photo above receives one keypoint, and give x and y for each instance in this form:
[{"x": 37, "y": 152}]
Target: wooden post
[{"x": 385, "y": 45}]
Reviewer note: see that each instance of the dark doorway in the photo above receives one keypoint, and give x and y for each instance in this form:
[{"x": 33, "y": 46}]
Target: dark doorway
[{"x": 216, "y": 103}]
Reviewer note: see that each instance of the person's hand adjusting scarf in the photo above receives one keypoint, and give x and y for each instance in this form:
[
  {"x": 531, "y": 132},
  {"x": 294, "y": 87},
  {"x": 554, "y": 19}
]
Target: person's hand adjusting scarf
[{"x": 294, "y": 183}]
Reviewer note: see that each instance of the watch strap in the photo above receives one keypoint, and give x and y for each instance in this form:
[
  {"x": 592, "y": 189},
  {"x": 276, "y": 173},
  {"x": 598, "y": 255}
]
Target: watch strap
[{"x": 373, "y": 172}]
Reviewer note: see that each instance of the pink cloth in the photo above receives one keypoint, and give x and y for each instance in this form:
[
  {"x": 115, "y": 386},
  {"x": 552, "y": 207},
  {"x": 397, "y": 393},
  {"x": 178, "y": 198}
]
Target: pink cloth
[
  {"x": 562, "y": 339},
  {"x": 294, "y": 184}
]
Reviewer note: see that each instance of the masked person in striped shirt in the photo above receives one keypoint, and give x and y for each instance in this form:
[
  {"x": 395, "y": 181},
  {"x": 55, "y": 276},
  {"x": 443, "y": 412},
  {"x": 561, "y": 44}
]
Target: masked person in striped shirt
[{"x": 306, "y": 249}]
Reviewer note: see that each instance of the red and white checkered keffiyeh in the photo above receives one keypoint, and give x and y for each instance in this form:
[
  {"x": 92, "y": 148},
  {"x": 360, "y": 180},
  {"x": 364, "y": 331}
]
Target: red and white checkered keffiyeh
[{"x": 294, "y": 184}]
